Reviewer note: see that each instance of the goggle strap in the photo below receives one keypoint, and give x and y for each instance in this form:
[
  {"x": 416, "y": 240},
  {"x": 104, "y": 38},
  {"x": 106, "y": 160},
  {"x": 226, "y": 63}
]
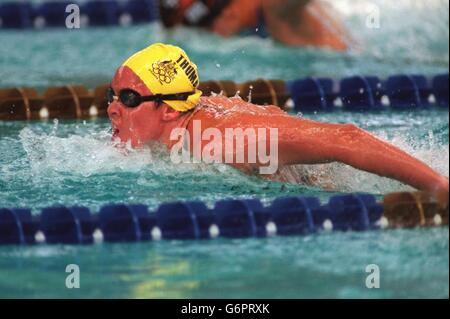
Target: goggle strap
[
  {"x": 168, "y": 97},
  {"x": 157, "y": 97}
]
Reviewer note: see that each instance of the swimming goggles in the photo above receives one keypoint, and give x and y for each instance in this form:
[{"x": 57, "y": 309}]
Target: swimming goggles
[{"x": 131, "y": 98}]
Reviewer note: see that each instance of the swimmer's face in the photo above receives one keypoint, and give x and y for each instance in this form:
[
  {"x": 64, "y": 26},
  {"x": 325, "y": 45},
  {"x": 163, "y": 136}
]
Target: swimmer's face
[{"x": 140, "y": 124}]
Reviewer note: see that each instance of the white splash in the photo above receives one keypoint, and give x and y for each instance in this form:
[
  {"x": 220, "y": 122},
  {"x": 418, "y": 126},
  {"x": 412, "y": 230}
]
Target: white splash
[
  {"x": 84, "y": 155},
  {"x": 95, "y": 153}
]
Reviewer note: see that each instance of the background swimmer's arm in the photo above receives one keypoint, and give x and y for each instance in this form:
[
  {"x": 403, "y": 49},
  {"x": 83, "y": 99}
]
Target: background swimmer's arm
[
  {"x": 239, "y": 14},
  {"x": 303, "y": 22},
  {"x": 308, "y": 142},
  {"x": 286, "y": 10},
  {"x": 244, "y": 14}
]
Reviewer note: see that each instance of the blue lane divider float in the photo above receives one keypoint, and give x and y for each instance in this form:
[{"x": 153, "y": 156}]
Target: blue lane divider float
[
  {"x": 50, "y": 14},
  {"x": 312, "y": 94},
  {"x": 16, "y": 15},
  {"x": 232, "y": 218},
  {"x": 235, "y": 218},
  {"x": 101, "y": 13},
  {"x": 119, "y": 223},
  {"x": 141, "y": 11},
  {"x": 354, "y": 212},
  {"x": 22, "y": 15},
  {"x": 68, "y": 225},
  {"x": 440, "y": 89},
  {"x": 17, "y": 226},
  {"x": 408, "y": 91},
  {"x": 294, "y": 215},
  {"x": 369, "y": 93},
  {"x": 361, "y": 92},
  {"x": 179, "y": 220}
]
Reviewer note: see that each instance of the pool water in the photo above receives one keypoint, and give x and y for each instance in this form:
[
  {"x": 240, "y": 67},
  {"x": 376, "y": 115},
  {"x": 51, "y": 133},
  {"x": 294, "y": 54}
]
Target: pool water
[
  {"x": 413, "y": 263},
  {"x": 46, "y": 163}
]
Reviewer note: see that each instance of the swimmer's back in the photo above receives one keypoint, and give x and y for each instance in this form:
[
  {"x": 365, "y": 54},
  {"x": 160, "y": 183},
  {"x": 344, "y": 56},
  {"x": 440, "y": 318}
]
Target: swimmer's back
[{"x": 218, "y": 110}]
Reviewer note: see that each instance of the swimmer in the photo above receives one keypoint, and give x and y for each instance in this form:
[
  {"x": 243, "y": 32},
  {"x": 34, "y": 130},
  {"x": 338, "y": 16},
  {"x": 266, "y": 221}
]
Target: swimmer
[
  {"x": 292, "y": 22},
  {"x": 155, "y": 92}
]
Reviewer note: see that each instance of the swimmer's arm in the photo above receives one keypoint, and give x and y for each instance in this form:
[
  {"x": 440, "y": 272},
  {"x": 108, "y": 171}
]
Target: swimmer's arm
[
  {"x": 244, "y": 14},
  {"x": 307, "y": 142}
]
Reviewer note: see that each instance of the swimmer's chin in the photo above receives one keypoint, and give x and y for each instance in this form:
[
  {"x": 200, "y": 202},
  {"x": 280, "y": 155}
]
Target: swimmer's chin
[
  {"x": 127, "y": 142},
  {"x": 120, "y": 140}
]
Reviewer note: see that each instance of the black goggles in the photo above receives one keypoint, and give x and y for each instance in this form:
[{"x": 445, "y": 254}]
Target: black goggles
[{"x": 131, "y": 98}]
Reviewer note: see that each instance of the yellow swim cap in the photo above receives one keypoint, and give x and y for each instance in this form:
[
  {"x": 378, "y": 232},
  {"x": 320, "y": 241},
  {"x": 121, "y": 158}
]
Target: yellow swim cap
[{"x": 166, "y": 69}]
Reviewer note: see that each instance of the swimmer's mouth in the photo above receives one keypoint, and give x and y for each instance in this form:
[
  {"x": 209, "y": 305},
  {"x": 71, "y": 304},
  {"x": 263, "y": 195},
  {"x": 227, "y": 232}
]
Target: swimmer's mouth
[{"x": 115, "y": 132}]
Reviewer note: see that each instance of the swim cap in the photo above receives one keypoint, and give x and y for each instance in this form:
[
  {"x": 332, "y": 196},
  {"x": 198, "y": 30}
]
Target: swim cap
[{"x": 166, "y": 69}]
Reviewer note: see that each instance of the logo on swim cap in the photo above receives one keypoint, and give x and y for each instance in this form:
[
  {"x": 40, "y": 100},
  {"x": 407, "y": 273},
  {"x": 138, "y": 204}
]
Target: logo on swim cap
[{"x": 164, "y": 71}]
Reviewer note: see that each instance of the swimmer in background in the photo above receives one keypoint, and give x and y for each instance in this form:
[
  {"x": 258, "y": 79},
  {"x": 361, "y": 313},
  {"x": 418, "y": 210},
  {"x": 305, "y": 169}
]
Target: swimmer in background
[
  {"x": 155, "y": 92},
  {"x": 292, "y": 22}
]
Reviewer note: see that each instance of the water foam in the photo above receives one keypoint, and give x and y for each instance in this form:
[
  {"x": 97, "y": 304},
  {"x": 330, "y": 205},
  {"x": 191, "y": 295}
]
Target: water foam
[
  {"x": 90, "y": 153},
  {"x": 83, "y": 155}
]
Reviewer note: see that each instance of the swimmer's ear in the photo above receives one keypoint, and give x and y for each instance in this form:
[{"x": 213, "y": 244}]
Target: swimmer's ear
[{"x": 169, "y": 114}]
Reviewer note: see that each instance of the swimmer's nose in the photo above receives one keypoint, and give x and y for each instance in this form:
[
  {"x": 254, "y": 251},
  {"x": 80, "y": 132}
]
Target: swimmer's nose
[{"x": 114, "y": 112}]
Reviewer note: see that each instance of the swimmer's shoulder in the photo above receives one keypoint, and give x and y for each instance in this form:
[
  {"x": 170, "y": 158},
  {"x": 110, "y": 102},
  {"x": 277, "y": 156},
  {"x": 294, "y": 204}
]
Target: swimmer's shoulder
[{"x": 221, "y": 103}]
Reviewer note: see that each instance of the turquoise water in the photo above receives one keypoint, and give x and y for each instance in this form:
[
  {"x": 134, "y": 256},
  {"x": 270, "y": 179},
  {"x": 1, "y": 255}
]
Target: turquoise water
[
  {"x": 413, "y": 263},
  {"x": 74, "y": 163}
]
